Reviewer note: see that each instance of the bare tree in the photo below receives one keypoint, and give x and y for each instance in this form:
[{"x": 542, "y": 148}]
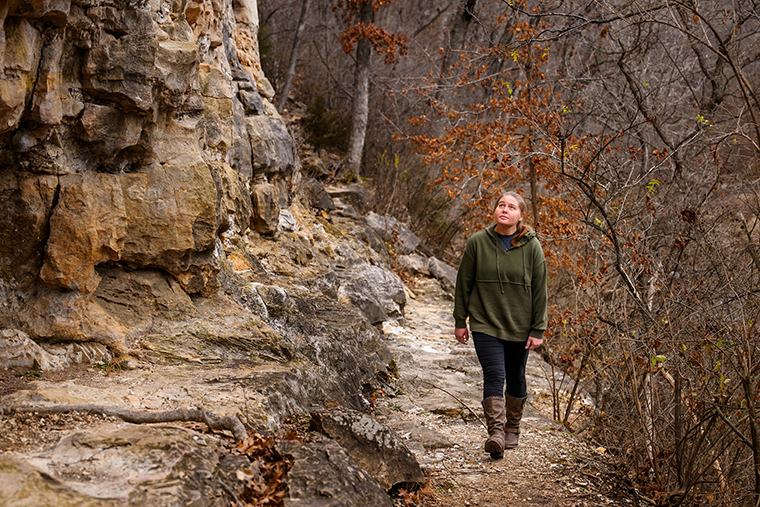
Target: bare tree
[
  {"x": 293, "y": 56},
  {"x": 360, "y": 103}
]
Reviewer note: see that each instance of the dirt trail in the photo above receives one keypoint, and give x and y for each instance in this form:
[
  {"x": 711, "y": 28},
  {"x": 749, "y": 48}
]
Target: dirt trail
[{"x": 440, "y": 376}]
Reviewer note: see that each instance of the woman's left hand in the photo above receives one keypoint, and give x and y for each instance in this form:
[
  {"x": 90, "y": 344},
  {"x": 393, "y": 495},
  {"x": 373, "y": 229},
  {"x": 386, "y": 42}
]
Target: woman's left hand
[{"x": 533, "y": 343}]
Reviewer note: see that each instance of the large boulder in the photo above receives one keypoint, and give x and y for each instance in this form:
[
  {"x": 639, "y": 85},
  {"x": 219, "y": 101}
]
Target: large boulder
[
  {"x": 324, "y": 475},
  {"x": 375, "y": 447},
  {"x": 444, "y": 273},
  {"x": 271, "y": 145},
  {"x": 396, "y": 233},
  {"x": 378, "y": 292}
]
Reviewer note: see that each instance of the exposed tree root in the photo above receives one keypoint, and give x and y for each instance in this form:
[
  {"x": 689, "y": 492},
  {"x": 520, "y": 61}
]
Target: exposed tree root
[{"x": 198, "y": 414}]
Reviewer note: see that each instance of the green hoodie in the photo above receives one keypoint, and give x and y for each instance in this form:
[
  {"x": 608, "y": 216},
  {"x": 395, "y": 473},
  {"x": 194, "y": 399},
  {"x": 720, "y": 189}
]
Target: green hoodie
[{"x": 502, "y": 292}]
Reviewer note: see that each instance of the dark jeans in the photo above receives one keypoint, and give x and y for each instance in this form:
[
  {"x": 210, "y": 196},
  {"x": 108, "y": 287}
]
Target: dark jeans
[{"x": 501, "y": 360}]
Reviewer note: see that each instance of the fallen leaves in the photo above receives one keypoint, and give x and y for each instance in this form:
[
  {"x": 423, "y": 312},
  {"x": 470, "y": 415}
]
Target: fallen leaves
[{"x": 264, "y": 479}]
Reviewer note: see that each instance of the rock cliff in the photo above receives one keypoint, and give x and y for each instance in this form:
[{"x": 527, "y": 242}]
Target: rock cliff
[{"x": 150, "y": 206}]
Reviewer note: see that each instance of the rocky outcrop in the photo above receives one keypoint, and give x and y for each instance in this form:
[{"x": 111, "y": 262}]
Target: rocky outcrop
[
  {"x": 151, "y": 218},
  {"x": 132, "y": 132},
  {"x": 323, "y": 474},
  {"x": 124, "y": 464},
  {"x": 375, "y": 447},
  {"x": 396, "y": 234}
]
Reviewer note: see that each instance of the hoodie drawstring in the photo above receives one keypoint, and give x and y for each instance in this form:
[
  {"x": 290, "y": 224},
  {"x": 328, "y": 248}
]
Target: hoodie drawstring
[
  {"x": 498, "y": 271},
  {"x": 525, "y": 267}
]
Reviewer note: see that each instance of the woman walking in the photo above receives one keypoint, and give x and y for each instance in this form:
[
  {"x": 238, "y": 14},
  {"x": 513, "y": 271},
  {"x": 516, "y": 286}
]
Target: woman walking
[{"x": 501, "y": 289}]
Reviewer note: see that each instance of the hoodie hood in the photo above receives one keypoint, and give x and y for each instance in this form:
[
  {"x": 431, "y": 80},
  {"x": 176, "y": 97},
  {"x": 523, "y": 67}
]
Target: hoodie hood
[{"x": 491, "y": 231}]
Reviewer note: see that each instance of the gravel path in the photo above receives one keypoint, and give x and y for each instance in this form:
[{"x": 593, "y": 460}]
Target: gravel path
[{"x": 438, "y": 413}]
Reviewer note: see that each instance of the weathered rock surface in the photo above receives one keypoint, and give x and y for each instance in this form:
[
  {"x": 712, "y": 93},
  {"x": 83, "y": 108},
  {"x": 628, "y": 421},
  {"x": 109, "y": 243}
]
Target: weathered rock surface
[
  {"x": 87, "y": 228},
  {"x": 394, "y": 232},
  {"x": 324, "y": 475},
  {"x": 445, "y": 274},
  {"x": 18, "y": 351},
  {"x": 27, "y": 485},
  {"x": 375, "y": 447},
  {"x": 378, "y": 292},
  {"x": 354, "y": 195},
  {"x": 27, "y": 201},
  {"x": 413, "y": 264},
  {"x": 128, "y": 464}
]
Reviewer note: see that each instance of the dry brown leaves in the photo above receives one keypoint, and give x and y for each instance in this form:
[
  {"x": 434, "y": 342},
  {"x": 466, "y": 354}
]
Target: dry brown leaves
[{"x": 264, "y": 479}]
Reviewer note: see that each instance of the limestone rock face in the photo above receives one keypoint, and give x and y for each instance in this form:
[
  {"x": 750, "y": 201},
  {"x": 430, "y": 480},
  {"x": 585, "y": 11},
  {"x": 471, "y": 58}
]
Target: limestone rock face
[
  {"x": 170, "y": 212},
  {"x": 27, "y": 201},
  {"x": 150, "y": 213},
  {"x": 88, "y": 227},
  {"x": 108, "y": 130},
  {"x": 151, "y": 116},
  {"x": 23, "y": 49}
]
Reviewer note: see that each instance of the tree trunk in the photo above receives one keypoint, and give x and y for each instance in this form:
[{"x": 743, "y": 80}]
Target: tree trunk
[
  {"x": 360, "y": 108},
  {"x": 457, "y": 34},
  {"x": 293, "y": 57},
  {"x": 749, "y": 393}
]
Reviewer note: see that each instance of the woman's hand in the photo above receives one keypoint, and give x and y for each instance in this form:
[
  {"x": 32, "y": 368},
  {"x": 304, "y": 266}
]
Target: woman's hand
[
  {"x": 461, "y": 335},
  {"x": 533, "y": 343}
]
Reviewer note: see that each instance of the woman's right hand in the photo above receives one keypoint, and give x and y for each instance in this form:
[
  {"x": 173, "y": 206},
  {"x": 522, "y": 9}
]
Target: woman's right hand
[{"x": 461, "y": 335}]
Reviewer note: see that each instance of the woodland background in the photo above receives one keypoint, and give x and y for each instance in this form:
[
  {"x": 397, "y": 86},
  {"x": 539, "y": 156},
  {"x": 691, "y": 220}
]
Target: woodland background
[{"x": 632, "y": 129}]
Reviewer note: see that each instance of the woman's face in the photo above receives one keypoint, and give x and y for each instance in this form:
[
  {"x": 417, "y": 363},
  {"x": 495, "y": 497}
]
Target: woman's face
[{"x": 507, "y": 214}]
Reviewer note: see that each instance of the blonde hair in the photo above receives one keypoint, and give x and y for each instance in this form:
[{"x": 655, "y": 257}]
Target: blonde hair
[{"x": 522, "y": 228}]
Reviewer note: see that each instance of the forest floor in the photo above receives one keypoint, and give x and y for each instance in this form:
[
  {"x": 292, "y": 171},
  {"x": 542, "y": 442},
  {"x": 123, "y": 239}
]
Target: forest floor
[{"x": 438, "y": 411}]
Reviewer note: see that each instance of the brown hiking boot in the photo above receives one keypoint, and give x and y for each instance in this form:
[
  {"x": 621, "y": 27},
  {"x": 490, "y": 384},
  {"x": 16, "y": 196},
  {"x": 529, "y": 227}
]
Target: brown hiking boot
[
  {"x": 493, "y": 408},
  {"x": 514, "y": 411}
]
